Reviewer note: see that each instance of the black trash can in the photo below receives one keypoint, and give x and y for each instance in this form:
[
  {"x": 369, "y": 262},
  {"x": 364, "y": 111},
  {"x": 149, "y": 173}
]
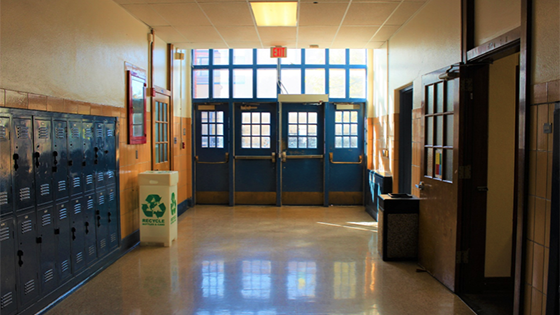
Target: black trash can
[{"x": 398, "y": 227}]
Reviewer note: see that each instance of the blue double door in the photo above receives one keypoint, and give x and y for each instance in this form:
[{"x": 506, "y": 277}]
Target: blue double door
[{"x": 279, "y": 154}]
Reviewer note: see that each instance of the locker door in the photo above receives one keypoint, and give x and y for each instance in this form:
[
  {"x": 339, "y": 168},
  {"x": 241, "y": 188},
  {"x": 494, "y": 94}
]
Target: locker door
[
  {"x": 22, "y": 148},
  {"x": 63, "y": 241},
  {"x": 88, "y": 167},
  {"x": 89, "y": 225},
  {"x": 26, "y": 259},
  {"x": 110, "y": 151},
  {"x": 60, "y": 159},
  {"x": 76, "y": 156},
  {"x": 99, "y": 154},
  {"x": 42, "y": 159},
  {"x": 112, "y": 217},
  {"x": 47, "y": 249},
  {"x": 77, "y": 235},
  {"x": 8, "y": 296},
  {"x": 6, "y": 197},
  {"x": 101, "y": 224}
]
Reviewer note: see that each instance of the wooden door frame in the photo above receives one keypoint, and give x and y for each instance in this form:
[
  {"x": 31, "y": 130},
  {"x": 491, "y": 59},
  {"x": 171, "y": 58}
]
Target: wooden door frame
[{"x": 171, "y": 123}]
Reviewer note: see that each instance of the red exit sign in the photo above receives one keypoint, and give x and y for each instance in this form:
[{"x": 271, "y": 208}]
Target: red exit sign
[{"x": 278, "y": 52}]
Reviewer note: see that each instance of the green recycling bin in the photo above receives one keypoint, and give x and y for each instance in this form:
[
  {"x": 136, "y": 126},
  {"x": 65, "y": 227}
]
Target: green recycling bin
[{"x": 158, "y": 206}]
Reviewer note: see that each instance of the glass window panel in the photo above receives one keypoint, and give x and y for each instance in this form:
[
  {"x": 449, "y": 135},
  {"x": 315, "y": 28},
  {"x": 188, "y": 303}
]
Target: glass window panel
[
  {"x": 165, "y": 151},
  {"x": 204, "y": 116},
  {"x": 346, "y": 116},
  {"x": 302, "y": 117},
  {"x": 302, "y": 130},
  {"x": 246, "y": 118},
  {"x": 292, "y": 130},
  {"x": 292, "y": 142},
  {"x": 312, "y": 118},
  {"x": 450, "y": 96},
  {"x": 430, "y": 130},
  {"x": 204, "y": 142},
  {"x": 255, "y": 142},
  {"x": 448, "y": 165},
  {"x": 337, "y": 83},
  {"x": 212, "y": 142},
  {"x": 265, "y": 130},
  {"x": 358, "y": 83},
  {"x": 430, "y": 100},
  {"x": 354, "y": 129},
  {"x": 221, "y": 83},
  {"x": 440, "y": 98},
  {"x": 338, "y": 129},
  {"x": 256, "y": 118},
  {"x": 302, "y": 142},
  {"x": 220, "y": 131},
  {"x": 265, "y": 118},
  {"x": 203, "y": 131},
  {"x": 338, "y": 142},
  {"x": 200, "y": 57},
  {"x": 312, "y": 130},
  {"x": 200, "y": 81},
  {"x": 291, "y": 81},
  {"x": 220, "y": 117},
  {"x": 256, "y": 130},
  {"x": 315, "y": 56},
  {"x": 315, "y": 81},
  {"x": 220, "y": 143},
  {"x": 292, "y": 118},
  {"x": 354, "y": 116},
  {"x": 245, "y": 142},
  {"x": 337, "y": 56},
  {"x": 263, "y": 57},
  {"x": 312, "y": 143},
  {"x": 345, "y": 142},
  {"x": 164, "y": 131},
  {"x": 242, "y": 56},
  {"x": 212, "y": 129},
  {"x": 246, "y": 130},
  {"x": 212, "y": 117},
  {"x": 439, "y": 130},
  {"x": 242, "y": 83},
  {"x": 221, "y": 56},
  {"x": 138, "y": 130},
  {"x": 293, "y": 58},
  {"x": 346, "y": 129},
  {"x": 353, "y": 142},
  {"x": 438, "y": 163},
  {"x": 265, "y": 142},
  {"x": 157, "y": 153},
  {"x": 157, "y": 131},
  {"x": 338, "y": 116},
  {"x": 266, "y": 83},
  {"x": 357, "y": 56},
  {"x": 448, "y": 130},
  {"x": 429, "y": 162}
]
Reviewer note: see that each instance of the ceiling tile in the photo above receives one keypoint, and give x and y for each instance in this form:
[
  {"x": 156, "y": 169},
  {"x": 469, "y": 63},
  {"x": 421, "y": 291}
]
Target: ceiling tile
[
  {"x": 167, "y": 1},
  {"x": 228, "y": 13},
  {"x": 317, "y": 34},
  {"x": 349, "y": 44},
  {"x": 306, "y": 44},
  {"x": 182, "y": 14},
  {"x": 130, "y": 1},
  {"x": 273, "y": 36},
  {"x": 356, "y": 33},
  {"x": 201, "y": 45},
  {"x": 385, "y": 33},
  {"x": 374, "y": 45},
  {"x": 238, "y": 33},
  {"x": 321, "y": 13},
  {"x": 146, "y": 14},
  {"x": 200, "y": 33},
  {"x": 246, "y": 45},
  {"x": 369, "y": 13},
  {"x": 404, "y": 12},
  {"x": 169, "y": 34}
]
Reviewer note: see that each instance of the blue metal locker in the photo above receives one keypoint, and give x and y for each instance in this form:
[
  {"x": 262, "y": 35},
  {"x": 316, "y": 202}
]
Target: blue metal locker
[
  {"x": 110, "y": 151},
  {"x": 27, "y": 261},
  {"x": 89, "y": 224},
  {"x": 112, "y": 217},
  {"x": 22, "y": 148},
  {"x": 99, "y": 154},
  {"x": 63, "y": 244},
  {"x": 102, "y": 223},
  {"x": 77, "y": 235},
  {"x": 8, "y": 296},
  {"x": 60, "y": 158},
  {"x": 88, "y": 167},
  {"x": 42, "y": 159},
  {"x": 47, "y": 249},
  {"x": 6, "y": 192},
  {"x": 75, "y": 155}
]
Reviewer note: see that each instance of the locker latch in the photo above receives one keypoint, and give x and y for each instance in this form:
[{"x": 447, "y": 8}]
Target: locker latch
[{"x": 39, "y": 240}]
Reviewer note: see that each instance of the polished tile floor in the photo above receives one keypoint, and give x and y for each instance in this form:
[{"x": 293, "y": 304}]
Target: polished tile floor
[{"x": 250, "y": 260}]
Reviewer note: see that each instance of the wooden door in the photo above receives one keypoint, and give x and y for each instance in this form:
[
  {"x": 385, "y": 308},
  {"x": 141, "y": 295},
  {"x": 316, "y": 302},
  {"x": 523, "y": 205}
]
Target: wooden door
[
  {"x": 439, "y": 186},
  {"x": 161, "y": 132}
]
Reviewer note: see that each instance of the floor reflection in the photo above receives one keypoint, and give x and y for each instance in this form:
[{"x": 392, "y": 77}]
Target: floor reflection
[
  {"x": 212, "y": 278},
  {"x": 301, "y": 280},
  {"x": 256, "y": 279}
]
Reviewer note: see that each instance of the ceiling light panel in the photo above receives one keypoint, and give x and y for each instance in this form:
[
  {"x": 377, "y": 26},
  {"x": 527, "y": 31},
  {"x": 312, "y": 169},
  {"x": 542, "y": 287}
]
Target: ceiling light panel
[{"x": 275, "y": 13}]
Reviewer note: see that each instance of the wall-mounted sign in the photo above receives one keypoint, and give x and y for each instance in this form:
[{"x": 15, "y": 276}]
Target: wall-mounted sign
[{"x": 278, "y": 52}]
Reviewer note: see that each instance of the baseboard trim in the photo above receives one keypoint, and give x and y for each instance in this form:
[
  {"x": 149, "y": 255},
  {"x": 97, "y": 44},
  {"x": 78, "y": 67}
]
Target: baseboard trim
[{"x": 183, "y": 206}]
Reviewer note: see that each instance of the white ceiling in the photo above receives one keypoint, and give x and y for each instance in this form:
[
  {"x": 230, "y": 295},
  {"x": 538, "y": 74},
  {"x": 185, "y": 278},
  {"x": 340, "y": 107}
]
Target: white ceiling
[{"x": 230, "y": 23}]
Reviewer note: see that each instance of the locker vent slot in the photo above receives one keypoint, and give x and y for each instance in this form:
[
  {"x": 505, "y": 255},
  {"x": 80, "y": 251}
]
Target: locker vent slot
[
  {"x": 75, "y": 132},
  {"x": 110, "y": 132},
  {"x": 63, "y": 214},
  {"x": 76, "y": 182},
  {"x": 99, "y": 132},
  {"x": 77, "y": 208},
  {"x": 90, "y": 204},
  {"x": 65, "y": 265},
  {"x": 89, "y": 133},
  {"x": 103, "y": 243},
  {"x": 3, "y": 133},
  {"x": 101, "y": 199},
  {"x": 89, "y": 179},
  {"x": 112, "y": 195},
  {"x": 43, "y": 133},
  {"x": 7, "y": 299},
  {"x": 25, "y": 193},
  {"x": 22, "y": 132},
  {"x": 62, "y": 185},
  {"x": 110, "y": 174},
  {"x": 45, "y": 189},
  {"x": 29, "y": 287},
  {"x": 79, "y": 257},
  {"x": 26, "y": 226},
  {"x": 113, "y": 237},
  {"x": 60, "y": 133},
  {"x": 4, "y": 233},
  {"x": 99, "y": 177},
  {"x": 3, "y": 198},
  {"x": 46, "y": 219},
  {"x": 49, "y": 275},
  {"x": 92, "y": 250}
]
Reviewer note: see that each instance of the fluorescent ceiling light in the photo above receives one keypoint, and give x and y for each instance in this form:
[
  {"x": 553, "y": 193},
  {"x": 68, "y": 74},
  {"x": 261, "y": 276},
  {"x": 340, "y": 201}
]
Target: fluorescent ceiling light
[{"x": 275, "y": 13}]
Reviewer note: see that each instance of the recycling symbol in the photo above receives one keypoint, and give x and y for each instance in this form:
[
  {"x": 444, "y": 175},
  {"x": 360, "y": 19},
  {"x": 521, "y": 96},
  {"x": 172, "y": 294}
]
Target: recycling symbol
[
  {"x": 173, "y": 204},
  {"x": 153, "y": 206}
]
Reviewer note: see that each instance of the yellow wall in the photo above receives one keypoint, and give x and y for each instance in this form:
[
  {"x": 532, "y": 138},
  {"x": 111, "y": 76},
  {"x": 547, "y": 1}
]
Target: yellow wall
[
  {"x": 501, "y": 166},
  {"x": 494, "y": 18},
  {"x": 546, "y": 32}
]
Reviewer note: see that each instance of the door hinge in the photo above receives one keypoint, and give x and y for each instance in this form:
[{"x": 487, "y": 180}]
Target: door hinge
[
  {"x": 465, "y": 172},
  {"x": 462, "y": 257}
]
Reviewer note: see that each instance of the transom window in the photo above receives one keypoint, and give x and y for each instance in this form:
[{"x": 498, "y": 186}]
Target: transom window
[
  {"x": 212, "y": 129},
  {"x": 346, "y": 129},
  {"x": 255, "y": 130},
  {"x": 302, "y": 130}
]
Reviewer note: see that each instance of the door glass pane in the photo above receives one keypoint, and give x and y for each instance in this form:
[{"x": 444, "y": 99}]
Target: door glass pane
[
  {"x": 204, "y": 142},
  {"x": 246, "y": 142},
  {"x": 256, "y": 142},
  {"x": 358, "y": 83},
  {"x": 204, "y": 117},
  {"x": 338, "y": 116},
  {"x": 337, "y": 83},
  {"x": 220, "y": 143},
  {"x": 312, "y": 143},
  {"x": 338, "y": 142},
  {"x": 354, "y": 116},
  {"x": 292, "y": 118},
  {"x": 246, "y": 130},
  {"x": 357, "y": 56},
  {"x": 256, "y": 130},
  {"x": 315, "y": 81},
  {"x": 200, "y": 81},
  {"x": 337, "y": 56},
  {"x": 291, "y": 81},
  {"x": 157, "y": 153},
  {"x": 302, "y": 142},
  {"x": 220, "y": 129},
  {"x": 450, "y": 93},
  {"x": 302, "y": 130},
  {"x": 200, "y": 57},
  {"x": 345, "y": 142},
  {"x": 265, "y": 143},
  {"x": 315, "y": 56},
  {"x": 263, "y": 57},
  {"x": 448, "y": 165},
  {"x": 212, "y": 117},
  {"x": 438, "y": 164},
  {"x": 292, "y": 142},
  {"x": 266, "y": 118},
  {"x": 221, "y": 83},
  {"x": 293, "y": 58},
  {"x": 246, "y": 118},
  {"x": 265, "y": 130},
  {"x": 429, "y": 130},
  {"x": 439, "y": 130},
  {"x": 242, "y": 56},
  {"x": 338, "y": 129},
  {"x": 430, "y": 99},
  {"x": 346, "y": 129},
  {"x": 353, "y": 142},
  {"x": 429, "y": 162},
  {"x": 221, "y": 56},
  {"x": 212, "y": 142},
  {"x": 256, "y": 118},
  {"x": 312, "y": 130},
  {"x": 243, "y": 83},
  {"x": 220, "y": 117},
  {"x": 346, "y": 116},
  {"x": 292, "y": 130},
  {"x": 302, "y": 118},
  {"x": 354, "y": 129},
  {"x": 448, "y": 130},
  {"x": 440, "y": 98},
  {"x": 312, "y": 118},
  {"x": 266, "y": 83}
]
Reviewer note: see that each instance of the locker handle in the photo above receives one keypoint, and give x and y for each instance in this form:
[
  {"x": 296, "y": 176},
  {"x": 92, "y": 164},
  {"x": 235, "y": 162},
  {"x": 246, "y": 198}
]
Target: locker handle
[
  {"x": 20, "y": 254},
  {"x": 56, "y": 231},
  {"x": 98, "y": 221},
  {"x": 16, "y": 157},
  {"x": 73, "y": 233},
  {"x": 39, "y": 240},
  {"x": 87, "y": 227},
  {"x": 70, "y": 163},
  {"x": 109, "y": 216},
  {"x": 55, "y": 154},
  {"x": 37, "y": 156}
]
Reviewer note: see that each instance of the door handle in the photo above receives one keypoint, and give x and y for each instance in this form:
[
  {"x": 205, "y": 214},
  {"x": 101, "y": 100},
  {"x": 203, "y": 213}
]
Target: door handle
[
  {"x": 257, "y": 157},
  {"x": 222, "y": 162},
  {"x": 299, "y": 157},
  {"x": 360, "y": 158},
  {"x": 420, "y": 185}
]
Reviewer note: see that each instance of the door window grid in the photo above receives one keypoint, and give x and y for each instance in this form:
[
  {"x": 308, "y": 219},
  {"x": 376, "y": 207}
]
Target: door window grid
[
  {"x": 212, "y": 129},
  {"x": 302, "y": 130},
  {"x": 255, "y": 130},
  {"x": 161, "y": 133},
  {"x": 346, "y": 129}
]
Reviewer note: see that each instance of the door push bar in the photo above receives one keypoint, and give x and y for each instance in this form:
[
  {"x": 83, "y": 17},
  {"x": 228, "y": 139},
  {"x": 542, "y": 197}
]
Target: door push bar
[
  {"x": 333, "y": 162},
  {"x": 257, "y": 157},
  {"x": 221, "y": 162},
  {"x": 285, "y": 156}
]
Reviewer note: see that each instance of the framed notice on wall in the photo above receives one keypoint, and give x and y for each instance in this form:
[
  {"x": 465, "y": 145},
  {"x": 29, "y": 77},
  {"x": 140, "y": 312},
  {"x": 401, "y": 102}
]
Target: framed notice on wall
[{"x": 136, "y": 107}]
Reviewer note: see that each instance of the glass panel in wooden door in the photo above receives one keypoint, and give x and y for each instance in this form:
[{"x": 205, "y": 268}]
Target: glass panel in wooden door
[{"x": 161, "y": 137}]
